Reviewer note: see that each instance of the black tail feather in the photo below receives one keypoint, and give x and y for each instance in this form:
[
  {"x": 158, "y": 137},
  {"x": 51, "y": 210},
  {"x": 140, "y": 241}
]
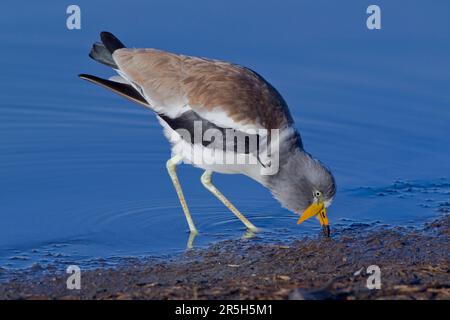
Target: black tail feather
[
  {"x": 111, "y": 42},
  {"x": 100, "y": 54}
]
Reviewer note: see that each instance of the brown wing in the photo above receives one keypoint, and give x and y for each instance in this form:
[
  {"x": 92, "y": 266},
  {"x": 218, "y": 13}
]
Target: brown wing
[{"x": 226, "y": 94}]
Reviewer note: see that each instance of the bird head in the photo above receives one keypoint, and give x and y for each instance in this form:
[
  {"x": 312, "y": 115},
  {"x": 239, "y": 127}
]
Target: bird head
[{"x": 305, "y": 186}]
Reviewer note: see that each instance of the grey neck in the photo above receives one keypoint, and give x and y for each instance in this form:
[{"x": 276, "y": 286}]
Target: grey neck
[
  {"x": 291, "y": 154},
  {"x": 291, "y": 185}
]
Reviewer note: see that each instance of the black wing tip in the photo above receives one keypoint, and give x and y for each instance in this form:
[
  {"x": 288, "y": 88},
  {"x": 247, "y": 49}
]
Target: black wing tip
[
  {"x": 122, "y": 89},
  {"x": 88, "y": 77},
  {"x": 110, "y": 41}
]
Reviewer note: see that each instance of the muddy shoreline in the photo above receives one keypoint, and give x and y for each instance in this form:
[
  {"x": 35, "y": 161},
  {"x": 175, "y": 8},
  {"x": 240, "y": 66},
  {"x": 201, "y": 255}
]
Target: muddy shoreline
[{"x": 414, "y": 264}]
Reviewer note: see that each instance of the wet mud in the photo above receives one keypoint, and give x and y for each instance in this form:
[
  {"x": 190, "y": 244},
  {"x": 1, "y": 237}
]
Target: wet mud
[{"x": 413, "y": 264}]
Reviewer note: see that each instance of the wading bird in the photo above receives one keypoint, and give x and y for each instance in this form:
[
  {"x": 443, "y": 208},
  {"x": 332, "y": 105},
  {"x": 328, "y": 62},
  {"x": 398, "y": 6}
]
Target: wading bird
[{"x": 186, "y": 91}]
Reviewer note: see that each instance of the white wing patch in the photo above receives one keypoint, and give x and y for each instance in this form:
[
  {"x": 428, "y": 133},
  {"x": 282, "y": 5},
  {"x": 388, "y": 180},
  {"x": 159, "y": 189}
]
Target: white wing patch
[{"x": 118, "y": 79}]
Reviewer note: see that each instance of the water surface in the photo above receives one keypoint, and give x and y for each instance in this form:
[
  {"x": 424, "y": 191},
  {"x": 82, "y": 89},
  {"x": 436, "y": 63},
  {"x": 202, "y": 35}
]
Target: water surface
[{"x": 82, "y": 171}]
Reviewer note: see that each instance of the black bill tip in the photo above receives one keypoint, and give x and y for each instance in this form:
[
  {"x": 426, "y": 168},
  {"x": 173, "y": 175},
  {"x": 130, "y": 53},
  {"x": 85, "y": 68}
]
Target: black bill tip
[{"x": 326, "y": 231}]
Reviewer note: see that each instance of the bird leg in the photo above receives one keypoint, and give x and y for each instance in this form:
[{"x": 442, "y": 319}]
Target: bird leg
[
  {"x": 190, "y": 242},
  {"x": 206, "y": 181},
  {"x": 248, "y": 234},
  {"x": 171, "y": 165}
]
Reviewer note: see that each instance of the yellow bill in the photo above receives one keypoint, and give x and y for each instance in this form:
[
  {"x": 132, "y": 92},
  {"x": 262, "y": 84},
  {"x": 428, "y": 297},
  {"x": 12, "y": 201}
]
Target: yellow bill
[{"x": 317, "y": 208}]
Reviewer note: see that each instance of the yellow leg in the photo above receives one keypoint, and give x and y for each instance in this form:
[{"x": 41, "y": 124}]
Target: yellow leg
[
  {"x": 171, "y": 168},
  {"x": 248, "y": 234},
  {"x": 190, "y": 242},
  {"x": 206, "y": 181}
]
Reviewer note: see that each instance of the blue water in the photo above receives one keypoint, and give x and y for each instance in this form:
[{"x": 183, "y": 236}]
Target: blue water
[{"x": 82, "y": 171}]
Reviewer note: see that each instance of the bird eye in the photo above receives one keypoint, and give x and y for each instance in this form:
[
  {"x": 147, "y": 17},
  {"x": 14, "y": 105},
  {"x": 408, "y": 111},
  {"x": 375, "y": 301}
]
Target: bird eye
[{"x": 317, "y": 194}]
